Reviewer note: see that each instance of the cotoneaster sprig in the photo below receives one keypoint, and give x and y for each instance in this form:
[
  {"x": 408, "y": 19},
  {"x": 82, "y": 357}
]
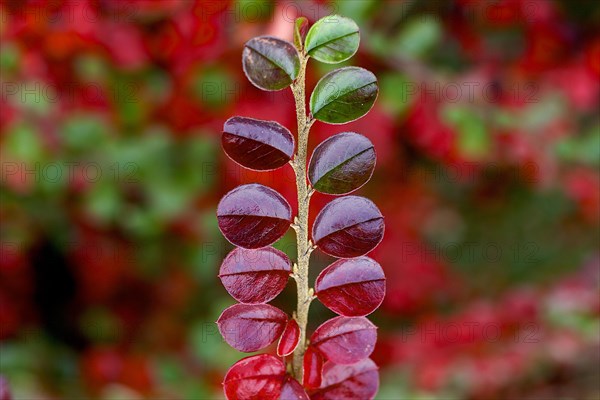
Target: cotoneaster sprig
[{"x": 335, "y": 362}]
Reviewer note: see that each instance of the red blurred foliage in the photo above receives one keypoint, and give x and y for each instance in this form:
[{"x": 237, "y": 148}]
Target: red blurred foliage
[{"x": 186, "y": 42}]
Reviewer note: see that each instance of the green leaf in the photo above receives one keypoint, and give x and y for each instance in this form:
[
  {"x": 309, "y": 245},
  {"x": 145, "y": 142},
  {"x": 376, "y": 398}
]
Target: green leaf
[
  {"x": 270, "y": 63},
  {"x": 333, "y": 39},
  {"x": 342, "y": 163},
  {"x": 344, "y": 95},
  {"x": 300, "y": 28}
]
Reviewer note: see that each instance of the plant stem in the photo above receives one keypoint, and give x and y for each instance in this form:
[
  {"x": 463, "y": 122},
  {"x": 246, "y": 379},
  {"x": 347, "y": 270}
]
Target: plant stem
[{"x": 305, "y": 295}]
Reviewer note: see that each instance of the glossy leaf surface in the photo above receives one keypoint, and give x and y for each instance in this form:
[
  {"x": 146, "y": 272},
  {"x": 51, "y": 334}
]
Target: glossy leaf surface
[
  {"x": 333, "y": 39},
  {"x": 345, "y": 340},
  {"x": 255, "y": 378},
  {"x": 351, "y": 287},
  {"x": 344, "y": 95},
  {"x": 292, "y": 390},
  {"x": 270, "y": 63},
  {"x": 300, "y": 30},
  {"x": 342, "y": 163},
  {"x": 348, "y": 227},
  {"x": 289, "y": 339},
  {"x": 255, "y": 276},
  {"x": 313, "y": 368},
  {"x": 251, "y": 327},
  {"x": 256, "y": 144},
  {"x": 358, "y": 381},
  {"x": 253, "y": 216}
]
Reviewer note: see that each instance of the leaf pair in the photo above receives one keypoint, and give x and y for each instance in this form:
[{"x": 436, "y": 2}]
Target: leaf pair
[
  {"x": 273, "y": 64},
  {"x": 263, "y": 377},
  {"x": 339, "y": 165},
  {"x": 341, "y": 340},
  {"x": 341, "y": 96}
]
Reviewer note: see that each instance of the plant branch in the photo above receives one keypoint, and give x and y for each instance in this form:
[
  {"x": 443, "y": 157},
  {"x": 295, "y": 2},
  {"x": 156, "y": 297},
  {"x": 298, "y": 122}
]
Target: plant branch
[{"x": 305, "y": 294}]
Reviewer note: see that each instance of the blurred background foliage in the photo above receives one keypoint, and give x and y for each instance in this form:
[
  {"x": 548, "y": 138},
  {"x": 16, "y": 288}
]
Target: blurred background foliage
[{"x": 488, "y": 138}]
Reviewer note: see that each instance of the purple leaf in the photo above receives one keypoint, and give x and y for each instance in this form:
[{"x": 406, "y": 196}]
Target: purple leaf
[
  {"x": 358, "y": 381},
  {"x": 345, "y": 340},
  {"x": 253, "y": 216},
  {"x": 270, "y": 63},
  {"x": 352, "y": 287},
  {"x": 342, "y": 163},
  {"x": 348, "y": 227},
  {"x": 255, "y": 378},
  {"x": 251, "y": 327},
  {"x": 255, "y": 276},
  {"x": 256, "y": 144}
]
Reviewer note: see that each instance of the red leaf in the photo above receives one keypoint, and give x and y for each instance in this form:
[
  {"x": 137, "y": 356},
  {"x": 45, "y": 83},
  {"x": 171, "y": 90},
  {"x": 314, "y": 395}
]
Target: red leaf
[
  {"x": 313, "y": 368},
  {"x": 353, "y": 287},
  {"x": 255, "y": 378},
  {"x": 358, "y": 381},
  {"x": 255, "y": 276},
  {"x": 348, "y": 227},
  {"x": 256, "y": 144},
  {"x": 253, "y": 216},
  {"x": 292, "y": 390},
  {"x": 289, "y": 339},
  {"x": 250, "y": 328},
  {"x": 345, "y": 340}
]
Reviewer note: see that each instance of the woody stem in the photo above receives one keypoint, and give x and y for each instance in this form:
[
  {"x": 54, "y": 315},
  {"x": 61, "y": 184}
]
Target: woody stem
[{"x": 304, "y": 246}]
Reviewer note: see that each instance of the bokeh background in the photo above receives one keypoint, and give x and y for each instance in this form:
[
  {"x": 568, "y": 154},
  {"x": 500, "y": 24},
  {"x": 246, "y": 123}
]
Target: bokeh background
[{"x": 488, "y": 140}]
